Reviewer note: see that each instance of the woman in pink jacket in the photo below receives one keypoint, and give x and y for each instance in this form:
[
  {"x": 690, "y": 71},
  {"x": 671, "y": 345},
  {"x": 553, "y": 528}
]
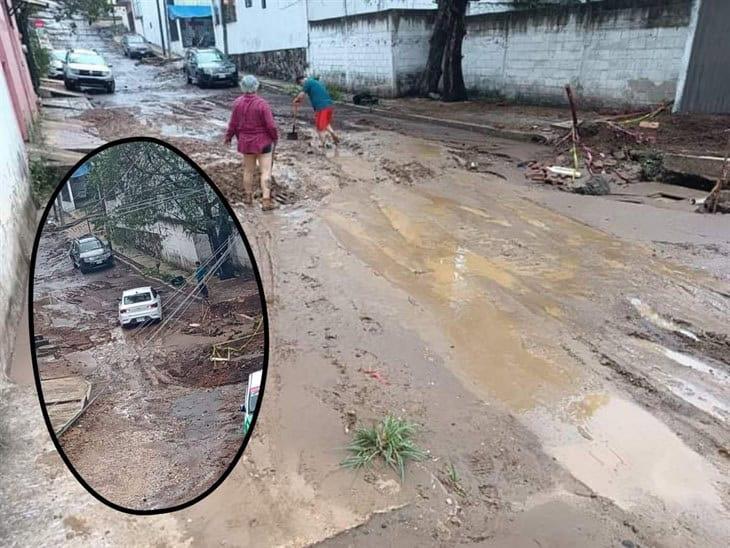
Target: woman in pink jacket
[{"x": 252, "y": 123}]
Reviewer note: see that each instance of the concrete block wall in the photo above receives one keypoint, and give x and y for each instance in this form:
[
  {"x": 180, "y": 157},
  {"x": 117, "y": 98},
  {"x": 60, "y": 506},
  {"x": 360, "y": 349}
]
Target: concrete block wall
[
  {"x": 411, "y": 32},
  {"x": 354, "y": 53},
  {"x": 616, "y": 53}
]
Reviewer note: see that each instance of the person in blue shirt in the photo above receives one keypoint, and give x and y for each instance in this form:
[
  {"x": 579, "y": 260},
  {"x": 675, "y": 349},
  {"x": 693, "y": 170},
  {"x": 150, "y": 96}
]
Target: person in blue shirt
[
  {"x": 322, "y": 105},
  {"x": 200, "y": 272}
]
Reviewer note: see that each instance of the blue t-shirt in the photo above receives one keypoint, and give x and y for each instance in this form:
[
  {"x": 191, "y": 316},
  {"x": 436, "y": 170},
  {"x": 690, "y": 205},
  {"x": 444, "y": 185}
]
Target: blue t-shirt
[{"x": 318, "y": 95}]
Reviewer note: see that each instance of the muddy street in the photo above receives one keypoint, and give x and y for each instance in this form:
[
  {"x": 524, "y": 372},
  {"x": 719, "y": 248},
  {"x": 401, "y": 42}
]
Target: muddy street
[
  {"x": 566, "y": 357},
  {"x": 163, "y": 397}
]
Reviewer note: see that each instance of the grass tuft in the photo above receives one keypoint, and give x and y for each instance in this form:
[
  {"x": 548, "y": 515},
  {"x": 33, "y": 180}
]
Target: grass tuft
[{"x": 391, "y": 439}]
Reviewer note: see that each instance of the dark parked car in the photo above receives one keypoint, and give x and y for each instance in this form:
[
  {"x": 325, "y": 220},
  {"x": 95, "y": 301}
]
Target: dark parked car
[
  {"x": 134, "y": 45},
  {"x": 89, "y": 252},
  {"x": 208, "y": 67}
]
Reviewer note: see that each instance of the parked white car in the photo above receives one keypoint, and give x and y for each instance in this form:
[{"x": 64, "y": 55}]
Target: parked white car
[{"x": 139, "y": 305}]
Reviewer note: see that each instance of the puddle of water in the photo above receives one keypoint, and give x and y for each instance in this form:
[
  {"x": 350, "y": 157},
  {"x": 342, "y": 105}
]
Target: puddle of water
[
  {"x": 416, "y": 250},
  {"x": 697, "y": 365},
  {"x": 700, "y": 398},
  {"x": 652, "y": 316},
  {"x": 632, "y": 455}
]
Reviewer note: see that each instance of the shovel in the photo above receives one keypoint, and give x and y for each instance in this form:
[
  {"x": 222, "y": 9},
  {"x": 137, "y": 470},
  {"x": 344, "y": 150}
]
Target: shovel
[{"x": 293, "y": 135}]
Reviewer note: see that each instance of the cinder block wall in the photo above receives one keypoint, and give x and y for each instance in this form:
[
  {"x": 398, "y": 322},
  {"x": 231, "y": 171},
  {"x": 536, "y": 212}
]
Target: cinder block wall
[
  {"x": 614, "y": 53},
  {"x": 354, "y": 53}
]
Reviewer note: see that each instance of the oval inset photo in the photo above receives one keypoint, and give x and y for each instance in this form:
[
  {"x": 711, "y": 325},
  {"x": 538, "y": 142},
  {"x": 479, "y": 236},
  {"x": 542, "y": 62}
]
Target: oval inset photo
[{"x": 149, "y": 326}]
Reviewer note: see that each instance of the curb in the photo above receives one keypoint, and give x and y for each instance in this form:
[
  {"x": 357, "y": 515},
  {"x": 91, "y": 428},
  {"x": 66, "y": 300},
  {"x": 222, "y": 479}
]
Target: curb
[{"x": 513, "y": 135}]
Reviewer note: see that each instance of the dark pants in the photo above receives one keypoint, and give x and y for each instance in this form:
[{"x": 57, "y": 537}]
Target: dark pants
[{"x": 204, "y": 291}]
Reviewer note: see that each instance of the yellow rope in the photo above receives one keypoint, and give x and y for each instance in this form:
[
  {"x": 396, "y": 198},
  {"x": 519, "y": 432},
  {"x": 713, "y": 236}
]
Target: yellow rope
[{"x": 217, "y": 348}]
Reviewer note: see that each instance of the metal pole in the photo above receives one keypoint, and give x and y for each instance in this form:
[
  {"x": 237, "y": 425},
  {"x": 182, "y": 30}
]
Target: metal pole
[{"x": 162, "y": 34}]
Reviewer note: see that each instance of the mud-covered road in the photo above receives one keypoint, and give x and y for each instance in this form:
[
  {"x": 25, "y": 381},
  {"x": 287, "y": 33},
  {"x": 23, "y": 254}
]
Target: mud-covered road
[
  {"x": 169, "y": 431},
  {"x": 567, "y": 355}
]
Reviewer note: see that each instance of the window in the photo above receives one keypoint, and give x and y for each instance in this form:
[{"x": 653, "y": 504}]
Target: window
[
  {"x": 263, "y": 4},
  {"x": 89, "y": 245},
  {"x": 85, "y": 59},
  {"x": 229, "y": 10},
  {"x": 136, "y": 299},
  {"x": 209, "y": 56},
  {"x": 249, "y": 3}
]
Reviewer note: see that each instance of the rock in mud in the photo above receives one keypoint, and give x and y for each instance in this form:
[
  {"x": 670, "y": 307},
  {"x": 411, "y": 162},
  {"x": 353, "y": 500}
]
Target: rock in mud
[{"x": 595, "y": 185}]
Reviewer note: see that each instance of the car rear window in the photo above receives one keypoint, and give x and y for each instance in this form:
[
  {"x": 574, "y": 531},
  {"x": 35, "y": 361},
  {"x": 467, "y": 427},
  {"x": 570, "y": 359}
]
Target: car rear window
[
  {"x": 138, "y": 298},
  {"x": 209, "y": 57},
  {"x": 90, "y": 245},
  {"x": 135, "y": 40}
]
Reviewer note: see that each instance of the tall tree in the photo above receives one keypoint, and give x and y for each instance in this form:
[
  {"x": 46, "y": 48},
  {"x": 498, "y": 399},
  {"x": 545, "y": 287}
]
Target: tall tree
[
  {"x": 153, "y": 184},
  {"x": 444, "y": 52}
]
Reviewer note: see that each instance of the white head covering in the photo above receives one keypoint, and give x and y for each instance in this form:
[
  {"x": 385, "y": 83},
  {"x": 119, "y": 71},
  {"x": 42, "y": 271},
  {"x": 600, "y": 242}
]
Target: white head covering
[{"x": 249, "y": 84}]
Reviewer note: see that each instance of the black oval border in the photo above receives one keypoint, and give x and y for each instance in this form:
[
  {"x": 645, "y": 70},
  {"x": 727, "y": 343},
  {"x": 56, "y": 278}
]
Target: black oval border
[{"x": 31, "y": 329}]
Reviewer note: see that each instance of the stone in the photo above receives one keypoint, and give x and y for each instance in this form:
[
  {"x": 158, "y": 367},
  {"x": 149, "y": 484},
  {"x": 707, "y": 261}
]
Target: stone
[{"x": 595, "y": 185}]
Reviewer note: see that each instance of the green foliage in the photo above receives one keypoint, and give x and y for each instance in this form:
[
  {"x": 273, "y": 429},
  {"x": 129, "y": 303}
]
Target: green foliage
[
  {"x": 154, "y": 184},
  {"x": 652, "y": 166},
  {"x": 391, "y": 440},
  {"x": 336, "y": 93},
  {"x": 42, "y": 181},
  {"x": 91, "y": 9},
  {"x": 41, "y": 56}
]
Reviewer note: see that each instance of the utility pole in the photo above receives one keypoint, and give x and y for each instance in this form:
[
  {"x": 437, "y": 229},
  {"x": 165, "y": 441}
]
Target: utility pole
[
  {"x": 162, "y": 33},
  {"x": 223, "y": 24}
]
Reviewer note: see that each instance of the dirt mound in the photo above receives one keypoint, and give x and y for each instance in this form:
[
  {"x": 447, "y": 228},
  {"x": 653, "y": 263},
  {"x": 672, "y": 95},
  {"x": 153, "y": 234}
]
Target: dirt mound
[{"x": 195, "y": 368}]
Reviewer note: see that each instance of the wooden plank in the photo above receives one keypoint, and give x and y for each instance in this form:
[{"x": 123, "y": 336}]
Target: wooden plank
[{"x": 59, "y": 91}]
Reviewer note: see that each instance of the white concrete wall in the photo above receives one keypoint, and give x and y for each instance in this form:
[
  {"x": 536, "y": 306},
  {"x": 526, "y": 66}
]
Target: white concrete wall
[
  {"x": 357, "y": 55},
  {"x": 327, "y": 9},
  {"x": 281, "y": 25},
  {"x": 240, "y": 253},
  {"x": 628, "y": 57},
  {"x": 17, "y": 222}
]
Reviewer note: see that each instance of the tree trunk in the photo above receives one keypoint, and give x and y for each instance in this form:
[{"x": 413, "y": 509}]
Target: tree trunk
[
  {"x": 437, "y": 43},
  {"x": 444, "y": 55},
  {"x": 454, "y": 88}
]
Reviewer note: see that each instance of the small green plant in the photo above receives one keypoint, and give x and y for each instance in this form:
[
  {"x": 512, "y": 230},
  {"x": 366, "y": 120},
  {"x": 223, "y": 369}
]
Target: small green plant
[
  {"x": 42, "y": 180},
  {"x": 453, "y": 479},
  {"x": 41, "y": 56},
  {"x": 336, "y": 93},
  {"x": 391, "y": 439}
]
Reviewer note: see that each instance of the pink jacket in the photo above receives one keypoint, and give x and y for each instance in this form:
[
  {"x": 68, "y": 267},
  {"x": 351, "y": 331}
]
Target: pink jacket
[{"x": 252, "y": 123}]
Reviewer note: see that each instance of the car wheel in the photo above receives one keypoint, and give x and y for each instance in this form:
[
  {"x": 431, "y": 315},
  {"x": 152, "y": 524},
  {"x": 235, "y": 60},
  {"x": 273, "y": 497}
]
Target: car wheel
[
  {"x": 83, "y": 269},
  {"x": 187, "y": 77},
  {"x": 110, "y": 87},
  {"x": 68, "y": 85}
]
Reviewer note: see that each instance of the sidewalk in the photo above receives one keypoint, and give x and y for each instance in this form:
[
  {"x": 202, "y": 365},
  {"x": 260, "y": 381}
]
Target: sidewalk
[{"x": 676, "y": 134}]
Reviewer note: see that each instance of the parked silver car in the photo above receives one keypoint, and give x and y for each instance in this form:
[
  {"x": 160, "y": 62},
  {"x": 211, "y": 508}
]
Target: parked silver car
[
  {"x": 86, "y": 68},
  {"x": 58, "y": 59}
]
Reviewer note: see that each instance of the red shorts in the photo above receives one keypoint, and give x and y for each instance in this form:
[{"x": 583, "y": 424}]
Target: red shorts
[{"x": 323, "y": 118}]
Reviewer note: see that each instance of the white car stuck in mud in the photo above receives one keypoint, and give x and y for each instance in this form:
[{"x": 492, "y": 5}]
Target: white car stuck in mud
[{"x": 139, "y": 305}]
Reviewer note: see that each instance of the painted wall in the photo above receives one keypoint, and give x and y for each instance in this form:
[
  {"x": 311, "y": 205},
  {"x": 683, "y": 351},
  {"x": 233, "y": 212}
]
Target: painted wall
[
  {"x": 282, "y": 24},
  {"x": 17, "y": 225},
  {"x": 23, "y": 101}
]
